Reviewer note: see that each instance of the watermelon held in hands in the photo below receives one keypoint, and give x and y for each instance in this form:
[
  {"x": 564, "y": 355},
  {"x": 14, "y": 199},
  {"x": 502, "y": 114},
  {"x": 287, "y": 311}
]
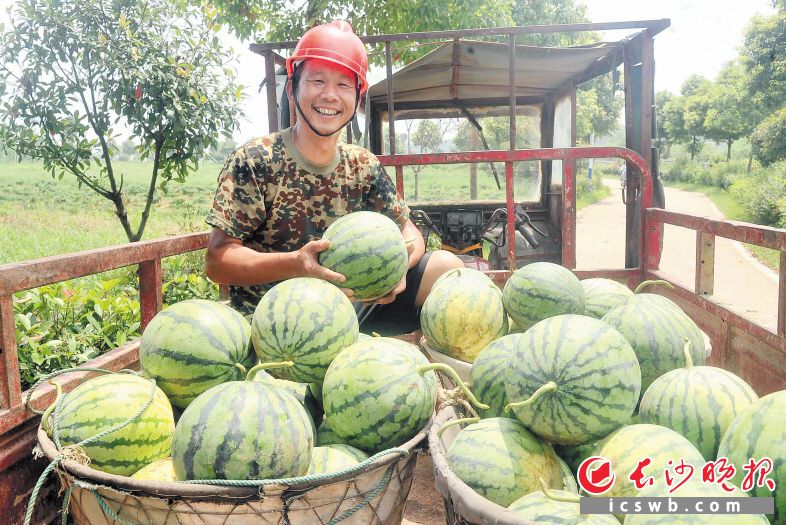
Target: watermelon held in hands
[
  {"x": 368, "y": 249},
  {"x": 374, "y": 396},
  {"x": 304, "y": 320},
  {"x": 243, "y": 430},
  {"x": 699, "y": 402},
  {"x": 194, "y": 345},
  {"x": 541, "y": 290},
  {"x": 572, "y": 379},
  {"x": 462, "y": 314},
  {"x": 107, "y": 401}
]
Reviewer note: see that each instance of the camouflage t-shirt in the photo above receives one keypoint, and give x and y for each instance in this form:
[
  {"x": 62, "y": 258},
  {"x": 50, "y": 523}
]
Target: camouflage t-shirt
[{"x": 274, "y": 200}]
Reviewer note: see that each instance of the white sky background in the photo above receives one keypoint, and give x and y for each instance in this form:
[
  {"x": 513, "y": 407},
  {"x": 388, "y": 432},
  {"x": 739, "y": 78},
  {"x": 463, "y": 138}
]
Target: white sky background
[{"x": 704, "y": 34}]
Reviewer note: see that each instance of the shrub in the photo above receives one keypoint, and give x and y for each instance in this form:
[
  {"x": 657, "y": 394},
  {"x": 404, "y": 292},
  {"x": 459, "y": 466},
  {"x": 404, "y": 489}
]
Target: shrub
[{"x": 761, "y": 195}]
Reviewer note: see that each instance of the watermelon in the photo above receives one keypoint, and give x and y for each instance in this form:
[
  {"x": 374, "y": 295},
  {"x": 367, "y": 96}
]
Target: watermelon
[
  {"x": 501, "y": 460},
  {"x": 573, "y": 455},
  {"x": 161, "y": 470},
  {"x": 545, "y": 509},
  {"x": 331, "y": 458},
  {"x": 757, "y": 432},
  {"x": 487, "y": 376},
  {"x": 304, "y": 320},
  {"x": 462, "y": 314},
  {"x": 632, "y": 443},
  {"x": 586, "y": 375},
  {"x": 699, "y": 402},
  {"x": 568, "y": 479},
  {"x": 107, "y": 401},
  {"x": 243, "y": 430},
  {"x": 194, "y": 345},
  {"x": 373, "y": 395},
  {"x": 303, "y": 392},
  {"x": 541, "y": 290},
  {"x": 367, "y": 248},
  {"x": 601, "y": 295},
  {"x": 326, "y": 436},
  {"x": 657, "y": 333}
]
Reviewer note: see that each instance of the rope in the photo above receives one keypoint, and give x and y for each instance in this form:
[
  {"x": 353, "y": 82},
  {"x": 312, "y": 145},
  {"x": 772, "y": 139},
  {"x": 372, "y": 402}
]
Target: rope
[
  {"x": 49, "y": 376},
  {"x": 74, "y": 452},
  {"x": 300, "y": 479},
  {"x": 109, "y": 511},
  {"x": 371, "y": 495}
]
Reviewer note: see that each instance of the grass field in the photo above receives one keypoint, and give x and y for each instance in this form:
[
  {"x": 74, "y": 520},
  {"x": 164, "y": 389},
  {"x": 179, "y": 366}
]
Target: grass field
[{"x": 41, "y": 217}]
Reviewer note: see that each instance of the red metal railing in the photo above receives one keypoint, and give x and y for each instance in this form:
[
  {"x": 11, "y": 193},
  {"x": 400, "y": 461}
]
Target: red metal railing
[
  {"x": 649, "y": 245},
  {"x": 16, "y": 277}
]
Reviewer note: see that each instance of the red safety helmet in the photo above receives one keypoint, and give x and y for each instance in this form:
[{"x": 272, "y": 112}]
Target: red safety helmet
[{"x": 335, "y": 42}]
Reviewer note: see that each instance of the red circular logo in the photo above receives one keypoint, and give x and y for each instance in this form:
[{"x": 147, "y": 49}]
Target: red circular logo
[{"x": 595, "y": 475}]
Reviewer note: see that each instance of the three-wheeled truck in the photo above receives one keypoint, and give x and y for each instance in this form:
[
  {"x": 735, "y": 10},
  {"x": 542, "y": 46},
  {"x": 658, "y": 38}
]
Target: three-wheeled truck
[{"x": 470, "y": 74}]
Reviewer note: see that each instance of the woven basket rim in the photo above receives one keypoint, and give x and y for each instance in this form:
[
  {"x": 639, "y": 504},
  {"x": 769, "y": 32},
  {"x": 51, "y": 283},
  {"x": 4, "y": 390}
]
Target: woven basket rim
[{"x": 90, "y": 475}]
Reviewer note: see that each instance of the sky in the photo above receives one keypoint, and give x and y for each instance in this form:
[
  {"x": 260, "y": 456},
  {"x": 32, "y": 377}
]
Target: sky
[{"x": 704, "y": 35}]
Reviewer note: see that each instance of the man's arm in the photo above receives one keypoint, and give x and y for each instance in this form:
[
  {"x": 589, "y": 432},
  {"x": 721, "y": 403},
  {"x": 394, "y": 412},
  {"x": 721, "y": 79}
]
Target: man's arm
[
  {"x": 228, "y": 261},
  {"x": 416, "y": 248}
]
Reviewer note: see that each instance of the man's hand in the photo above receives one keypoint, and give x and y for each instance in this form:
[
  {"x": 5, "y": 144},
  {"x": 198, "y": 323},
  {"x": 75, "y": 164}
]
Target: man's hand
[{"x": 308, "y": 262}]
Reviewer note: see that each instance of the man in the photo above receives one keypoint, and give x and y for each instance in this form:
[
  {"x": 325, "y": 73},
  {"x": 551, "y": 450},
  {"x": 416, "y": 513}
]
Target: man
[{"x": 277, "y": 194}]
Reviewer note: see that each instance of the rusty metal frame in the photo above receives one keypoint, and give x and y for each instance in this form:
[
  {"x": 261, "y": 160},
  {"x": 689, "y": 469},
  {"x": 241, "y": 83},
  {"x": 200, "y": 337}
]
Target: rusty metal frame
[
  {"x": 16, "y": 277},
  {"x": 568, "y": 156},
  {"x": 707, "y": 230}
]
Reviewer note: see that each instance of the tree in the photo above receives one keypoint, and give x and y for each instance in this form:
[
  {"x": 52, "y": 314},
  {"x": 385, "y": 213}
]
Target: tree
[
  {"x": 73, "y": 70},
  {"x": 428, "y": 138},
  {"x": 763, "y": 55},
  {"x": 663, "y": 140},
  {"x": 731, "y": 114},
  {"x": 684, "y": 115}
]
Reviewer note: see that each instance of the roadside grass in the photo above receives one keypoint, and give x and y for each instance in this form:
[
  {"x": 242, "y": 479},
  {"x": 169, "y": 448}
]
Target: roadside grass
[{"x": 732, "y": 210}]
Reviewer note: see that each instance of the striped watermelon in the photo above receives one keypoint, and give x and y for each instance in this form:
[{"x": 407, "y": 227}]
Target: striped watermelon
[
  {"x": 462, "y": 314},
  {"x": 568, "y": 479},
  {"x": 760, "y": 431},
  {"x": 243, "y": 430},
  {"x": 540, "y": 508},
  {"x": 699, "y": 402},
  {"x": 501, "y": 460},
  {"x": 573, "y": 455},
  {"x": 541, "y": 290},
  {"x": 657, "y": 333},
  {"x": 304, "y": 320},
  {"x": 326, "y": 436},
  {"x": 487, "y": 376},
  {"x": 331, "y": 458},
  {"x": 601, "y": 295},
  {"x": 586, "y": 373},
  {"x": 194, "y": 345},
  {"x": 107, "y": 401},
  {"x": 632, "y": 443},
  {"x": 367, "y": 248},
  {"x": 373, "y": 396},
  {"x": 161, "y": 470},
  {"x": 303, "y": 392}
]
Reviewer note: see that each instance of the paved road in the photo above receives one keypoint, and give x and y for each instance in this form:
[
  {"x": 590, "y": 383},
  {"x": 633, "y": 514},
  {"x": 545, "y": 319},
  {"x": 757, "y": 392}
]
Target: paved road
[{"x": 742, "y": 283}]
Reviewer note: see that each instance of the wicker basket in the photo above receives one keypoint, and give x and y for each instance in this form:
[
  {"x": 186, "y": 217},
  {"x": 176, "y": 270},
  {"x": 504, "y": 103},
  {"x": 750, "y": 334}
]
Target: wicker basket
[
  {"x": 98, "y": 498},
  {"x": 462, "y": 504}
]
